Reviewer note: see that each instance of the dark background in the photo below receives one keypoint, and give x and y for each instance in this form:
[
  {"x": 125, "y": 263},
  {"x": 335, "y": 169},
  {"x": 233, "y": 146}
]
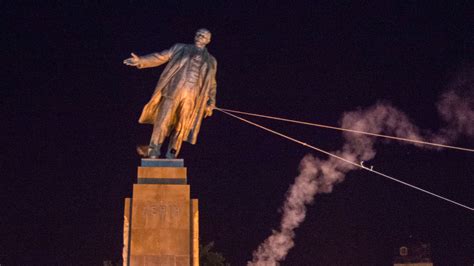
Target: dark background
[{"x": 69, "y": 111}]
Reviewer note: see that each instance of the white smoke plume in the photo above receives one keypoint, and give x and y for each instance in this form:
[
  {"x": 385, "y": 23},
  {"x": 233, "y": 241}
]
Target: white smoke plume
[{"x": 456, "y": 108}]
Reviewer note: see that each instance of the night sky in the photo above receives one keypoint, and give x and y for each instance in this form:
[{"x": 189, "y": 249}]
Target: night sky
[{"x": 69, "y": 112}]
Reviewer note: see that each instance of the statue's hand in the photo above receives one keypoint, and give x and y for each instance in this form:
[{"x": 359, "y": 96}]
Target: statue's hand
[
  {"x": 208, "y": 111},
  {"x": 132, "y": 61}
]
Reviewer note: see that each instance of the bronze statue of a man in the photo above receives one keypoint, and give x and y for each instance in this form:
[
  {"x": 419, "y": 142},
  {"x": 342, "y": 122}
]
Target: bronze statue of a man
[{"x": 184, "y": 94}]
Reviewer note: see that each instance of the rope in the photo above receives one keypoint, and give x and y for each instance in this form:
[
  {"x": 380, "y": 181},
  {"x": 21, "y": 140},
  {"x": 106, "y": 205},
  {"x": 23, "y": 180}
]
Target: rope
[
  {"x": 349, "y": 130},
  {"x": 345, "y": 160}
]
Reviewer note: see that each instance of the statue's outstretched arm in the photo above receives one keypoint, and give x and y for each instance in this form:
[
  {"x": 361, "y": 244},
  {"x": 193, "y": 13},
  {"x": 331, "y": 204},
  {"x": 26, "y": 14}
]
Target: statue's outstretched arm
[
  {"x": 132, "y": 61},
  {"x": 150, "y": 60}
]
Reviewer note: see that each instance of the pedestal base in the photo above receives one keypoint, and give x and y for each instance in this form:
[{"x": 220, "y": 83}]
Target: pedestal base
[{"x": 161, "y": 220}]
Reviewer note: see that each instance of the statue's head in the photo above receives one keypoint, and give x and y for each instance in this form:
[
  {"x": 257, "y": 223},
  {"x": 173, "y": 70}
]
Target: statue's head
[{"x": 202, "y": 38}]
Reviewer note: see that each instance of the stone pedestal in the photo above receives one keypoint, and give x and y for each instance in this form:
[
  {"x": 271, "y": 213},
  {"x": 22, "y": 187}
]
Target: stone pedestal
[{"x": 161, "y": 220}]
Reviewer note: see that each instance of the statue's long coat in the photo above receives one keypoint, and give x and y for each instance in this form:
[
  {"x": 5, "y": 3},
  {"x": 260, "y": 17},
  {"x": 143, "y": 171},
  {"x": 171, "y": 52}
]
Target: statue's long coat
[{"x": 178, "y": 56}]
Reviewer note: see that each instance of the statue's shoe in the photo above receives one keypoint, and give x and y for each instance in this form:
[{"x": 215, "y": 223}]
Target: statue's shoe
[
  {"x": 153, "y": 153},
  {"x": 171, "y": 154}
]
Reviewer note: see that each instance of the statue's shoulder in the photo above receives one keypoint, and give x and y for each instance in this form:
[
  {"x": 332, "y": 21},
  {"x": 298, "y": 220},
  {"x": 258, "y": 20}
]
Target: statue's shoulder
[
  {"x": 178, "y": 46},
  {"x": 212, "y": 59}
]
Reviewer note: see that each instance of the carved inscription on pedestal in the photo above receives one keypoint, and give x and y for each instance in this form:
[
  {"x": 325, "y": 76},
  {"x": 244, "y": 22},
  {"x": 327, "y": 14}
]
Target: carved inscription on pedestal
[
  {"x": 161, "y": 224},
  {"x": 161, "y": 214}
]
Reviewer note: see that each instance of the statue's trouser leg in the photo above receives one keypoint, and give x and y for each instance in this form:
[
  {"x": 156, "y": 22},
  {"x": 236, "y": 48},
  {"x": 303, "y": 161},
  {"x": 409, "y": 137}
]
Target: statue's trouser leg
[
  {"x": 184, "y": 113},
  {"x": 166, "y": 109}
]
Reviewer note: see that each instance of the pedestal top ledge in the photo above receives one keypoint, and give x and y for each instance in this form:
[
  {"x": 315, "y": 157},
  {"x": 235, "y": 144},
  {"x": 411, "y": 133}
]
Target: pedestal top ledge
[{"x": 146, "y": 162}]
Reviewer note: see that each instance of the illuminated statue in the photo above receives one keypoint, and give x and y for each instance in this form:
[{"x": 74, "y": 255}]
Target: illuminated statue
[{"x": 185, "y": 93}]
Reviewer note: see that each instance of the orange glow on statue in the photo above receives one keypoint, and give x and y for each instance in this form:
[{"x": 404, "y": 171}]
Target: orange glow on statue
[{"x": 184, "y": 94}]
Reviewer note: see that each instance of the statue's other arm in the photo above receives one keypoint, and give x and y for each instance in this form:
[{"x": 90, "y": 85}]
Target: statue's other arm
[
  {"x": 211, "y": 101},
  {"x": 212, "y": 92}
]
